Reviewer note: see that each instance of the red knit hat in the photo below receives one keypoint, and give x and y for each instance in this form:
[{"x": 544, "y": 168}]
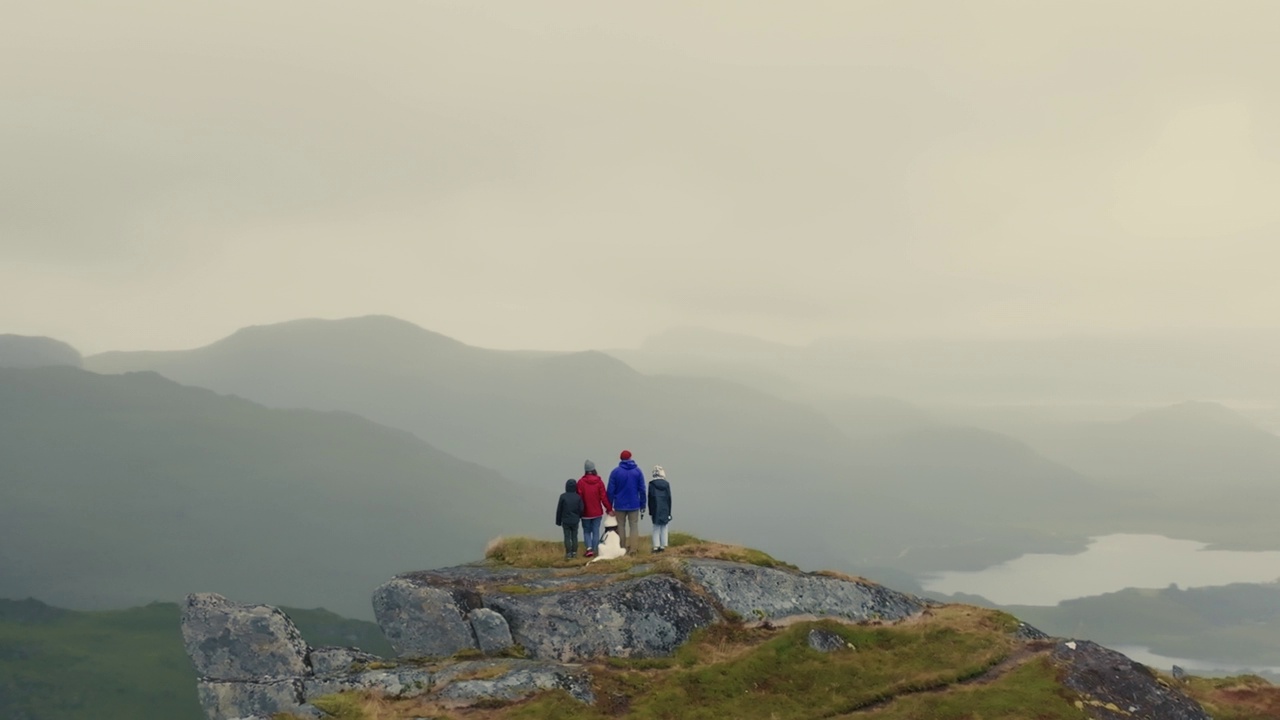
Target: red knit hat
[{"x": 626, "y": 455}]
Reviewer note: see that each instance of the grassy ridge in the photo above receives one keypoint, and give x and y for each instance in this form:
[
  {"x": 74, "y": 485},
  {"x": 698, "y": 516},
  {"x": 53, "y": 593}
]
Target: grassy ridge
[{"x": 121, "y": 664}]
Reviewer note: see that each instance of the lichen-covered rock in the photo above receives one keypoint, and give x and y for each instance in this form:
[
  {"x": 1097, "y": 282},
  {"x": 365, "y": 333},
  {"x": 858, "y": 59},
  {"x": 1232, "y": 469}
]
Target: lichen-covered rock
[
  {"x": 467, "y": 682},
  {"x": 1029, "y": 632},
  {"x": 826, "y": 641},
  {"x": 229, "y": 700},
  {"x": 1113, "y": 687},
  {"x": 420, "y": 620},
  {"x": 329, "y": 660},
  {"x": 232, "y": 641},
  {"x": 493, "y": 635},
  {"x": 761, "y": 593},
  {"x": 644, "y": 617},
  {"x": 397, "y": 682}
]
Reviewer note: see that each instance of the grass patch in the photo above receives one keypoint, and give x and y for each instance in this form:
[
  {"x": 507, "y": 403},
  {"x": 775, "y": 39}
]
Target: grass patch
[
  {"x": 739, "y": 672},
  {"x": 525, "y": 552},
  {"x": 1244, "y": 697},
  {"x": 1033, "y": 685}
]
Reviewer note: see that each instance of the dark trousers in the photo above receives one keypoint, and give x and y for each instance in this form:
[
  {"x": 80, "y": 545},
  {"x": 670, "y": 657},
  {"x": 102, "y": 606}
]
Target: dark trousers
[{"x": 570, "y": 538}]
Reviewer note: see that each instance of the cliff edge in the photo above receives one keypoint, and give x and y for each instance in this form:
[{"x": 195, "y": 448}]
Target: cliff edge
[{"x": 705, "y": 631}]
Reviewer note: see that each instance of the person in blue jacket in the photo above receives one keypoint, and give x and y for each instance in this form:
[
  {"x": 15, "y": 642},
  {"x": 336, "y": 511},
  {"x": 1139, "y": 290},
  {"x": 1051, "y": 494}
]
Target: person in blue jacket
[{"x": 627, "y": 494}]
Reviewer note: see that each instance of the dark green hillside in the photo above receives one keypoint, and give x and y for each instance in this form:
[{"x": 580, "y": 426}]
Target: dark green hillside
[
  {"x": 1235, "y": 624},
  {"x": 738, "y": 459},
  {"x": 121, "y": 664},
  {"x": 116, "y": 490}
]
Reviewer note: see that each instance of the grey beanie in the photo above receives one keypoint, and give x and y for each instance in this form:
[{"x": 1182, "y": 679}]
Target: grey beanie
[{"x": 589, "y": 468}]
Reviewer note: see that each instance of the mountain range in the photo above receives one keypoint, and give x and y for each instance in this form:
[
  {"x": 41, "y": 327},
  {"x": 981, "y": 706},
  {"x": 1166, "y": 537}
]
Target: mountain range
[{"x": 742, "y": 462}]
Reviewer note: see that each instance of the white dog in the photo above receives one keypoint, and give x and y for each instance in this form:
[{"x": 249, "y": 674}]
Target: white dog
[{"x": 610, "y": 542}]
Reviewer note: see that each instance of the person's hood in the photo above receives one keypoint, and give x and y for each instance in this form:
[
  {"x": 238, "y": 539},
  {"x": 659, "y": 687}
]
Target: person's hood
[
  {"x": 590, "y": 478},
  {"x": 628, "y": 464},
  {"x": 571, "y": 485}
]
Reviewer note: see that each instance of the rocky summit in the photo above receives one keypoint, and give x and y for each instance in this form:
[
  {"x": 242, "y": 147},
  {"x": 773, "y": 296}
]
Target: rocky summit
[{"x": 705, "y": 631}]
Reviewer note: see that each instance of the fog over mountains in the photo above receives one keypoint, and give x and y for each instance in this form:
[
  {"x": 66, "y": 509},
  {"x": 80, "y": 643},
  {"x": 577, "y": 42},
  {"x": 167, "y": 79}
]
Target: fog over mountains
[
  {"x": 388, "y": 446},
  {"x": 744, "y": 463}
]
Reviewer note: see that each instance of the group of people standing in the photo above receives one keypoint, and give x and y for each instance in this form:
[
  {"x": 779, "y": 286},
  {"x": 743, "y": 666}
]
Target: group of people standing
[{"x": 622, "y": 504}]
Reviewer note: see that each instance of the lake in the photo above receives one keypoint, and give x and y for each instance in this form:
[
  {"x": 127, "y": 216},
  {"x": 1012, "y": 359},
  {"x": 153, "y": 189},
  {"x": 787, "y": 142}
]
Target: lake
[
  {"x": 1109, "y": 564},
  {"x": 1204, "y": 668}
]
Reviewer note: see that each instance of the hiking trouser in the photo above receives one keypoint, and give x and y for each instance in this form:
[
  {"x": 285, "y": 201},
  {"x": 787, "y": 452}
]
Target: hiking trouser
[
  {"x": 570, "y": 538},
  {"x": 625, "y": 534},
  {"x": 591, "y": 533},
  {"x": 659, "y": 535}
]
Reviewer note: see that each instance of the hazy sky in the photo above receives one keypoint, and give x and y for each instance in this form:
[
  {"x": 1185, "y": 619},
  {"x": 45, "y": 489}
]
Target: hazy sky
[{"x": 570, "y": 175}]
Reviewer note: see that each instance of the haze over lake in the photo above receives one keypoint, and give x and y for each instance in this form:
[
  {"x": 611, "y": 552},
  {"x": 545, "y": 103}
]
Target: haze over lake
[{"x": 1111, "y": 563}]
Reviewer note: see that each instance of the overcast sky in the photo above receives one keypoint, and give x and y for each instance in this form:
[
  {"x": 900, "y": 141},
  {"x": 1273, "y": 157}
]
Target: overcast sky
[{"x": 572, "y": 175}]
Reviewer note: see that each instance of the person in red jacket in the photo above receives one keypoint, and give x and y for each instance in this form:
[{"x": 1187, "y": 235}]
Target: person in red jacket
[{"x": 595, "y": 500}]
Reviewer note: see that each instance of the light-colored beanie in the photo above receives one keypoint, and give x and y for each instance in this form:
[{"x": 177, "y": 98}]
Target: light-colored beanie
[{"x": 658, "y": 472}]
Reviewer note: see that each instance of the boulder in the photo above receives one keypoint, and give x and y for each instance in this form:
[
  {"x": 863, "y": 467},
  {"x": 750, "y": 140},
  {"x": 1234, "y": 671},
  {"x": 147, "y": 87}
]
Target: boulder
[
  {"x": 228, "y": 700},
  {"x": 641, "y": 617},
  {"x": 773, "y": 594},
  {"x": 330, "y": 660},
  {"x": 230, "y": 641},
  {"x": 826, "y": 641},
  {"x": 1113, "y": 687},
  {"x": 493, "y": 635},
  {"x": 420, "y": 620},
  {"x": 467, "y": 682}
]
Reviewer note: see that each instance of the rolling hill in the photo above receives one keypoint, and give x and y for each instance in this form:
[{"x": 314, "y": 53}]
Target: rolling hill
[{"x": 120, "y": 490}]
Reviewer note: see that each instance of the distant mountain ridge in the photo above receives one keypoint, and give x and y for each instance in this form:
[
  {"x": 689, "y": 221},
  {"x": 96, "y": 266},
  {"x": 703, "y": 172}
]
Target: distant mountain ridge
[
  {"x": 28, "y": 351},
  {"x": 536, "y": 417}
]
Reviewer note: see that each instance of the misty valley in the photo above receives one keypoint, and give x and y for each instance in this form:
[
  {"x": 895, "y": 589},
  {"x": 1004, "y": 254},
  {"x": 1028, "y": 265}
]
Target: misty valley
[{"x": 303, "y": 463}]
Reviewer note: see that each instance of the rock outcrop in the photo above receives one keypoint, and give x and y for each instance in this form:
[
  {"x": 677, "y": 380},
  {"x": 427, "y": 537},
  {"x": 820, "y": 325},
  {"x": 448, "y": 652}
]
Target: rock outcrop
[
  {"x": 1117, "y": 688},
  {"x": 484, "y": 634}
]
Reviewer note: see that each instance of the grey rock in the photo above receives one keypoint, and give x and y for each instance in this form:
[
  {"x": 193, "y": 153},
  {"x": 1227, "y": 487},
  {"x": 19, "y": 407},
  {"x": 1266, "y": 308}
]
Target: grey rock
[
  {"x": 761, "y": 593},
  {"x": 512, "y": 680},
  {"x": 400, "y": 682},
  {"x": 1179, "y": 673},
  {"x": 826, "y": 641},
  {"x": 420, "y": 620},
  {"x": 236, "y": 642},
  {"x": 1103, "y": 676},
  {"x": 642, "y": 617},
  {"x": 228, "y": 700},
  {"x": 1029, "y": 632},
  {"x": 493, "y": 635},
  {"x": 331, "y": 660}
]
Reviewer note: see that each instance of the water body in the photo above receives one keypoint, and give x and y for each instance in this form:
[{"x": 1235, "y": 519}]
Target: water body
[
  {"x": 1205, "y": 668},
  {"x": 1110, "y": 563}
]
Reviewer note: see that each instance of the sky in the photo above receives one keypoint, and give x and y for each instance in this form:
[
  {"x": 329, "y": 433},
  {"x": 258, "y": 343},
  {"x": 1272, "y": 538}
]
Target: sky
[{"x": 567, "y": 175}]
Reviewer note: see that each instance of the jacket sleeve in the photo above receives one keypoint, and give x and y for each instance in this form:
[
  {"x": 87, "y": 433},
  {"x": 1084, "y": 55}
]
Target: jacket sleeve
[
  {"x": 613, "y": 485},
  {"x": 641, "y": 495},
  {"x": 608, "y": 504},
  {"x": 652, "y": 502},
  {"x": 560, "y": 510}
]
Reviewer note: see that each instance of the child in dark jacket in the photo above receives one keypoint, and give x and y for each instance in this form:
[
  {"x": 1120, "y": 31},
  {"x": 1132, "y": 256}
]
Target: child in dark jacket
[
  {"x": 659, "y": 507},
  {"x": 568, "y": 515}
]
